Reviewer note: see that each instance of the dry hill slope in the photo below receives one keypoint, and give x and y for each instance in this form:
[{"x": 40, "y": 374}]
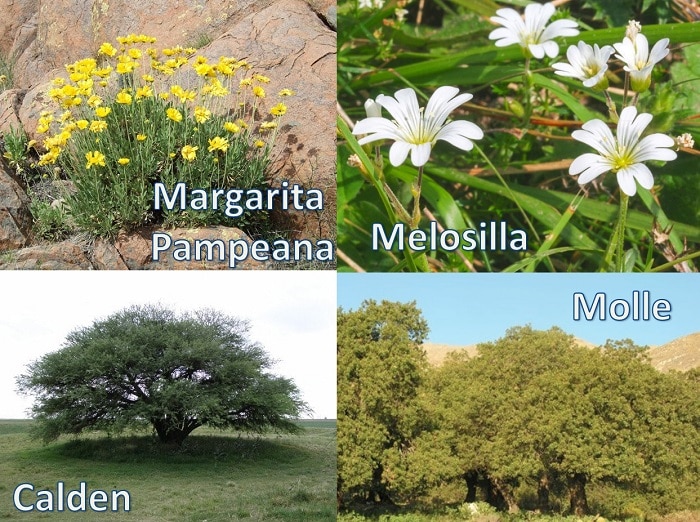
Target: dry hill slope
[{"x": 680, "y": 354}]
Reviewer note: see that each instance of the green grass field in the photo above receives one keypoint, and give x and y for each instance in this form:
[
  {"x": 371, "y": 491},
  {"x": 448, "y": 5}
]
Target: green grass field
[{"x": 216, "y": 475}]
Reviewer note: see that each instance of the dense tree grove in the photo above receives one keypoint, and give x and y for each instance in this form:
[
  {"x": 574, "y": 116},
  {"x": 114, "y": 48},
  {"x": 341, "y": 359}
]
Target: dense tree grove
[
  {"x": 147, "y": 365},
  {"x": 534, "y": 421},
  {"x": 381, "y": 365}
]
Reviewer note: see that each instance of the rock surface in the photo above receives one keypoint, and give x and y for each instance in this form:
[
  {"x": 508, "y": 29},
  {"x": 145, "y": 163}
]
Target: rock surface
[{"x": 15, "y": 218}]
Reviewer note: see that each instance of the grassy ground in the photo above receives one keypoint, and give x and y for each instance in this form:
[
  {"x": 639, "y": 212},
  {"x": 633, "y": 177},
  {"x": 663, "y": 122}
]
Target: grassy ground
[{"x": 215, "y": 476}]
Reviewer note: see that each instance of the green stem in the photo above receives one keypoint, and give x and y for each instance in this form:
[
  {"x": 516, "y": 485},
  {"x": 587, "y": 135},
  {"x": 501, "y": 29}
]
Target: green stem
[
  {"x": 612, "y": 110},
  {"x": 527, "y": 84},
  {"x": 510, "y": 192},
  {"x": 617, "y": 240},
  {"x": 415, "y": 219}
]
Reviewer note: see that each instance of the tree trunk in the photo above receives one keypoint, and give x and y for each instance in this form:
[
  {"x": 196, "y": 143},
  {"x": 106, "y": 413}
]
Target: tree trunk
[
  {"x": 171, "y": 433},
  {"x": 543, "y": 493},
  {"x": 472, "y": 479},
  {"x": 506, "y": 492},
  {"x": 577, "y": 494}
]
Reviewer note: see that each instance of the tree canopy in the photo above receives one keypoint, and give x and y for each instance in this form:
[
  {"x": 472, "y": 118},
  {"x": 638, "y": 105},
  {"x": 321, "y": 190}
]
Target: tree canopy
[
  {"x": 380, "y": 367},
  {"x": 534, "y": 421},
  {"x": 148, "y": 365}
]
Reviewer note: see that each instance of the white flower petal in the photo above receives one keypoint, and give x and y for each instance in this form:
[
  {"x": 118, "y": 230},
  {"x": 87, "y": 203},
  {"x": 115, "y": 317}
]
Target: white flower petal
[
  {"x": 558, "y": 28},
  {"x": 420, "y": 154},
  {"x": 659, "y": 51},
  {"x": 460, "y": 128},
  {"x": 625, "y": 179},
  {"x": 551, "y": 48},
  {"x": 655, "y": 147},
  {"x": 589, "y": 166},
  {"x": 642, "y": 174},
  {"x": 398, "y": 152}
]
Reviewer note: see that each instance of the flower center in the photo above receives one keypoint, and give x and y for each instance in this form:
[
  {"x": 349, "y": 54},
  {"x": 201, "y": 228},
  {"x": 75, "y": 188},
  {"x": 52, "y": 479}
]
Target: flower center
[{"x": 621, "y": 160}]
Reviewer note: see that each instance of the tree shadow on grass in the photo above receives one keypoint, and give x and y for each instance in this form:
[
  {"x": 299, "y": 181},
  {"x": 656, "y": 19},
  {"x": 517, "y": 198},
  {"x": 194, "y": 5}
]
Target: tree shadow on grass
[{"x": 196, "y": 448}]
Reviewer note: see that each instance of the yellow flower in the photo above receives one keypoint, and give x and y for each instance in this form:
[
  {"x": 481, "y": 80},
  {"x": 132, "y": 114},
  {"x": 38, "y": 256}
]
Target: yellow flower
[
  {"x": 259, "y": 144},
  {"x": 58, "y": 82},
  {"x": 148, "y": 78},
  {"x": 182, "y": 93},
  {"x": 123, "y": 97},
  {"x": 201, "y": 114},
  {"x": 268, "y": 125},
  {"x": 66, "y": 116},
  {"x": 286, "y": 92},
  {"x": 189, "y": 152},
  {"x": 141, "y": 137},
  {"x": 245, "y": 82},
  {"x": 98, "y": 125},
  {"x": 123, "y": 161},
  {"x": 164, "y": 95},
  {"x": 218, "y": 143},
  {"x": 144, "y": 92},
  {"x": 94, "y": 158},
  {"x": 50, "y": 157},
  {"x": 174, "y": 114},
  {"x": 134, "y": 53},
  {"x": 102, "y": 112},
  {"x": 94, "y": 101},
  {"x": 204, "y": 69},
  {"x": 82, "y": 124},
  {"x": 78, "y": 76},
  {"x": 172, "y": 155},
  {"x": 279, "y": 110},
  {"x": 231, "y": 127},
  {"x": 261, "y": 78},
  {"x": 259, "y": 91},
  {"x": 126, "y": 67},
  {"x": 107, "y": 49},
  {"x": 102, "y": 73}
]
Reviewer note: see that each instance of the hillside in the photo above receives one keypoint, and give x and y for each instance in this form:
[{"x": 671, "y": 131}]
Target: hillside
[{"x": 680, "y": 354}]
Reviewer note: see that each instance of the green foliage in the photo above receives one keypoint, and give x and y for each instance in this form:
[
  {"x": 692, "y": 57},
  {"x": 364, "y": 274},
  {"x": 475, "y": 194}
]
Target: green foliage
[
  {"x": 380, "y": 367},
  {"x": 148, "y": 366},
  {"x": 521, "y": 177},
  {"x": 535, "y": 421},
  {"x": 51, "y": 222},
  {"x": 6, "y": 73}
]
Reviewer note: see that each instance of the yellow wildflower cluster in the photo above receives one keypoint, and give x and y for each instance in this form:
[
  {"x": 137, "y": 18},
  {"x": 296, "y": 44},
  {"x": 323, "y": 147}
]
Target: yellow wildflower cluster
[{"x": 96, "y": 93}]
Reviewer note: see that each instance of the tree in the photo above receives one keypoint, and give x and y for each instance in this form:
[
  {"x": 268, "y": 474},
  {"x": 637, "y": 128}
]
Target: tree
[
  {"x": 147, "y": 365},
  {"x": 380, "y": 368}
]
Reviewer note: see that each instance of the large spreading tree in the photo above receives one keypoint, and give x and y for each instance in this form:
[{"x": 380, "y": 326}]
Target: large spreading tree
[{"x": 148, "y": 365}]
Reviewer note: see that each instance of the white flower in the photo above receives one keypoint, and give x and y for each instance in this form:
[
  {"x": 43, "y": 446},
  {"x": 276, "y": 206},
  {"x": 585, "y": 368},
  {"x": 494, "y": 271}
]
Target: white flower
[
  {"x": 365, "y": 4},
  {"x": 623, "y": 155},
  {"x": 633, "y": 28},
  {"x": 685, "y": 140},
  {"x": 531, "y": 33},
  {"x": 416, "y": 130},
  {"x": 639, "y": 61},
  {"x": 400, "y": 14},
  {"x": 586, "y": 63},
  {"x": 373, "y": 109}
]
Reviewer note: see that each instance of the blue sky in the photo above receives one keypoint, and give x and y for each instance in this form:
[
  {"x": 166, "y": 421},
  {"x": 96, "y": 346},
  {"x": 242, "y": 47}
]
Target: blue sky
[{"x": 465, "y": 309}]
